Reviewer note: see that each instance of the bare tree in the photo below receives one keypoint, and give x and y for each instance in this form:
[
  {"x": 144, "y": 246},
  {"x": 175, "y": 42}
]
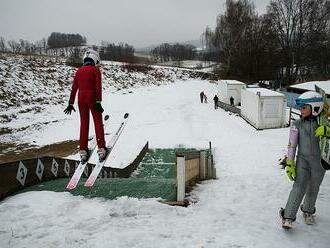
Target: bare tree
[
  {"x": 294, "y": 22},
  {"x": 2, "y": 44},
  {"x": 14, "y": 46}
]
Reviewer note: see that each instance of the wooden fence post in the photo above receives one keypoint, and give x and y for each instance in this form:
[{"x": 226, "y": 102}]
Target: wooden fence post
[
  {"x": 202, "y": 167},
  {"x": 180, "y": 173},
  {"x": 209, "y": 167}
]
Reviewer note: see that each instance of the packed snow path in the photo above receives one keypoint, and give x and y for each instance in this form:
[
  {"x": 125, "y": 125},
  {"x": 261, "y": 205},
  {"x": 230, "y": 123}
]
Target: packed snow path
[{"x": 240, "y": 209}]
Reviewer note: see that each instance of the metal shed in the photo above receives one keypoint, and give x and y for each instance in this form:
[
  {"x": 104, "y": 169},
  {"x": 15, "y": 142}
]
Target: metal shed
[
  {"x": 263, "y": 108},
  {"x": 228, "y": 88}
]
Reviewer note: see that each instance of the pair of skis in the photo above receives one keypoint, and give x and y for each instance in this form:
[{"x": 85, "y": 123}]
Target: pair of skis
[{"x": 99, "y": 164}]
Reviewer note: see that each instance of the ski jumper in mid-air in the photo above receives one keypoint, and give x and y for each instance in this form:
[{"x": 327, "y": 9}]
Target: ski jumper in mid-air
[
  {"x": 87, "y": 81},
  {"x": 307, "y": 172}
]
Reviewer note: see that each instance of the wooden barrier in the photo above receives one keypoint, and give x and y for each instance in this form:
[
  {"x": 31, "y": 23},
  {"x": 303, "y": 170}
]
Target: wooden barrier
[
  {"x": 15, "y": 176},
  {"x": 191, "y": 168},
  {"x": 230, "y": 108}
]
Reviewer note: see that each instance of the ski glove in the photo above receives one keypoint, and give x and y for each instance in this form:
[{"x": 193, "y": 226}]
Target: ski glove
[
  {"x": 98, "y": 107},
  {"x": 290, "y": 170},
  {"x": 322, "y": 131},
  {"x": 69, "y": 109}
]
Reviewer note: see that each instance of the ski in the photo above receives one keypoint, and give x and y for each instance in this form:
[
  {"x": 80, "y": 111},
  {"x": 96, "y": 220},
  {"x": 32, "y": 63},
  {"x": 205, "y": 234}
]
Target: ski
[
  {"x": 324, "y": 120},
  {"x": 81, "y": 166},
  {"x": 99, "y": 165}
]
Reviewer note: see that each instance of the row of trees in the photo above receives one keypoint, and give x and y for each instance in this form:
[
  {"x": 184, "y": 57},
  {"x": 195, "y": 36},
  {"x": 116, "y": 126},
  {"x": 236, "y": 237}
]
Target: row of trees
[
  {"x": 68, "y": 45},
  {"x": 23, "y": 46},
  {"x": 289, "y": 42},
  {"x": 120, "y": 52},
  {"x": 56, "y": 44},
  {"x": 176, "y": 52},
  {"x": 40, "y": 47},
  {"x": 60, "y": 40}
]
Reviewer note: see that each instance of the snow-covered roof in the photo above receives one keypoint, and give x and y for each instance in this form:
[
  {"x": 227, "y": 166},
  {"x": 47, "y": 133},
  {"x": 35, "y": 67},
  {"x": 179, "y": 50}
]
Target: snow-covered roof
[
  {"x": 253, "y": 86},
  {"x": 264, "y": 92},
  {"x": 310, "y": 85},
  {"x": 232, "y": 82}
]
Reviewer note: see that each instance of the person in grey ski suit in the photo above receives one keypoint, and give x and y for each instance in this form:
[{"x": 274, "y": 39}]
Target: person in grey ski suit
[{"x": 307, "y": 172}]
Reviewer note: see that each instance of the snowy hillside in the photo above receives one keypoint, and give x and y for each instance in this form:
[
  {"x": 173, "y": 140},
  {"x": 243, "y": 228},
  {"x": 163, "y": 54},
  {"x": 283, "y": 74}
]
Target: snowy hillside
[
  {"x": 240, "y": 209},
  {"x": 34, "y": 90}
]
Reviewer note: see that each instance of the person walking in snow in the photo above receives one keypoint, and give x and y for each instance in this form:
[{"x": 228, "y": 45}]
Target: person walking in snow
[
  {"x": 231, "y": 99},
  {"x": 87, "y": 81},
  {"x": 202, "y": 95},
  {"x": 307, "y": 172},
  {"x": 216, "y": 100},
  {"x": 205, "y": 98}
]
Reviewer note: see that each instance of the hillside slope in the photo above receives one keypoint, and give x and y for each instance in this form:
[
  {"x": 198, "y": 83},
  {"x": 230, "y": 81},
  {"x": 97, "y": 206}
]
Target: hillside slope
[
  {"x": 35, "y": 88},
  {"x": 240, "y": 209}
]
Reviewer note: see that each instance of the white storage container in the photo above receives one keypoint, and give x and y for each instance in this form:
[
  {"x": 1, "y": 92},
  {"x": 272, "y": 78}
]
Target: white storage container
[
  {"x": 228, "y": 88},
  {"x": 263, "y": 108}
]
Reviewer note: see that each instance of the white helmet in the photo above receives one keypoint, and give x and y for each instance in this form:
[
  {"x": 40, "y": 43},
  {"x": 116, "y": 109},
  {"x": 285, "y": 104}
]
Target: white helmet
[
  {"x": 92, "y": 55},
  {"x": 312, "y": 99}
]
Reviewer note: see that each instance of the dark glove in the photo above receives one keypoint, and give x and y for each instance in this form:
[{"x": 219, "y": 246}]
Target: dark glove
[
  {"x": 69, "y": 109},
  {"x": 98, "y": 107}
]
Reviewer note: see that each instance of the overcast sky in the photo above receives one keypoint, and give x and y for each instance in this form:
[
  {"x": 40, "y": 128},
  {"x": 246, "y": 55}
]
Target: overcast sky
[{"x": 137, "y": 22}]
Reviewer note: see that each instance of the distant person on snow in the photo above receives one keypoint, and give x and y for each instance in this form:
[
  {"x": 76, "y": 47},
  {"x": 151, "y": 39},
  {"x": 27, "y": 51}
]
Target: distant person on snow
[
  {"x": 88, "y": 81},
  {"x": 205, "y": 98},
  {"x": 307, "y": 172},
  {"x": 231, "y": 99},
  {"x": 202, "y": 95},
  {"x": 216, "y": 100}
]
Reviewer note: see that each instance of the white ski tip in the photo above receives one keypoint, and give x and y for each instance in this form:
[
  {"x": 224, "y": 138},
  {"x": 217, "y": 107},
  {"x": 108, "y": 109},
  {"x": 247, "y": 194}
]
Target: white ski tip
[
  {"x": 89, "y": 183},
  {"x": 70, "y": 187}
]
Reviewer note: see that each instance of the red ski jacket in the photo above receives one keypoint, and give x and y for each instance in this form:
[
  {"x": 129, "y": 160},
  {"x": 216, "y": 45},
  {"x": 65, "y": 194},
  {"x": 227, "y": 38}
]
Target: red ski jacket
[{"x": 88, "y": 80}]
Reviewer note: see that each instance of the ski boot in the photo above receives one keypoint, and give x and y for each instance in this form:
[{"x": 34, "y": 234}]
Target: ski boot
[
  {"x": 83, "y": 156},
  {"x": 308, "y": 217},
  {"x": 102, "y": 153},
  {"x": 286, "y": 223}
]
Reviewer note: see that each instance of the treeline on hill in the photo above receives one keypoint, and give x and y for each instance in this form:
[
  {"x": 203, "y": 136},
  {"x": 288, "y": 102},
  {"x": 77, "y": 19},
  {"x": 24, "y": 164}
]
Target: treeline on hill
[
  {"x": 56, "y": 44},
  {"x": 59, "y": 40},
  {"x": 176, "y": 52},
  {"x": 71, "y": 46},
  {"x": 23, "y": 46},
  {"x": 289, "y": 43},
  {"x": 121, "y": 52}
]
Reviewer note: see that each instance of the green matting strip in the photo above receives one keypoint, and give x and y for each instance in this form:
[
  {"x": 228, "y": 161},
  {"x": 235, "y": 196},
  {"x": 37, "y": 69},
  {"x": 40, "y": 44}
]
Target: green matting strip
[
  {"x": 111, "y": 188},
  {"x": 155, "y": 177}
]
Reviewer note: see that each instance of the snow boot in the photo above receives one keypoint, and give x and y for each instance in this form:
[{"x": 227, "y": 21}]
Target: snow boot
[
  {"x": 308, "y": 217},
  {"x": 286, "y": 223},
  {"x": 102, "y": 153},
  {"x": 83, "y": 156}
]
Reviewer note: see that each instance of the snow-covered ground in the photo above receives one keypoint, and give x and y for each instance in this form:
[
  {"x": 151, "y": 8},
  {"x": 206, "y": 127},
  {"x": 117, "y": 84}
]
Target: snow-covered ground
[
  {"x": 206, "y": 66},
  {"x": 240, "y": 209},
  {"x": 34, "y": 89}
]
